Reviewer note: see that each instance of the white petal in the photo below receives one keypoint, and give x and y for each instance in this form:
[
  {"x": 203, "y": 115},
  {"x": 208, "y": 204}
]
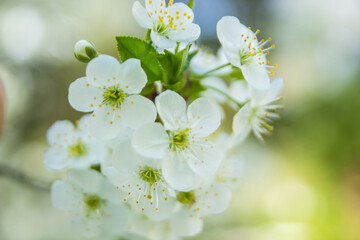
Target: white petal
[
  {"x": 103, "y": 71},
  {"x": 133, "y": 78},
  {"x": 161, "y": 41},
  {"x": 89, "y": 180},
  {"x": 218, "y": 198},
  {"x": 65, "y": 196},
  {"x": 84, "y": 97},
  {"x": 256, "y": 76},
  {"x": 203, "y": 158},
  {"x": 60, "y": 132},
  {"x": 181, "y": 14},
  {"x": 171, "y": 108},
  {"x": 230, "y": 29},
  {"x": 264, "y": 97},
  {"x": 178, "y": 174},
  {"x": 115, "y": 221},
  {"x": 239, "y": 90},
  {"x": 141, "y": 15},
  {"x": 153, "y": 5},
  {"x": 204, "y": 117},
  {"x": 151, "y": 140},
  {"x": 86, "y": 226},
  {"x": 241, "y": 121},
  {"x": 105, "y": 123},
  {"x": 186, "y": 33},
  {"x": 165, "y": 210},
  {"x": 122, "y": 164},
  {"x": 184, "y": 225},
  {"x": 137, "y": 111},
  {"x": 55, "y": 158}
]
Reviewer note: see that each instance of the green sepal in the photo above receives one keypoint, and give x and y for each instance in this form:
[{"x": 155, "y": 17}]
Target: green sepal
[
  {"x": 82, "y": 58},
  {"x": 191, "y": 4},
  {"x": 91, "y": 52},
  {"x": 132, "y": 47},
  {"x": 148, "y": 35}
]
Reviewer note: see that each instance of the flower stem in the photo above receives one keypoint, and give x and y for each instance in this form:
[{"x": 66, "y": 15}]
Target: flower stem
[
  {"x": 214, "y": 70},
  {"x": 240, "y": 105}
]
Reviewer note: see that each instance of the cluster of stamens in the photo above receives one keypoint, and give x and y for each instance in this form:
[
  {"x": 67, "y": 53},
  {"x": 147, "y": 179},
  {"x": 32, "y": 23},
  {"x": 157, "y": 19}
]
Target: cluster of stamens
[
  {"x": 266, "y": 116},
  {"x": 151, "y": 186},
  {"x": 113, "y": 96},
  {"x": 179, "y": 140},
  {"x": 255, "y": 53},
  {"x": 79, "y": 149},
  {"x": 165, "y": 22},
  {"x": 92, "y": 203}
]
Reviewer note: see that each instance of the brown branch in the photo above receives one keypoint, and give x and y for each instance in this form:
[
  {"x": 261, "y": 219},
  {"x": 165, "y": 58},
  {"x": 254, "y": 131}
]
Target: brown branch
[{"x": 21, "y": 177}]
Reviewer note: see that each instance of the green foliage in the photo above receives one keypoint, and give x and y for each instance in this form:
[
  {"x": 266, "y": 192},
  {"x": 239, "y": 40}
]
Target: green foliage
[
  {"x": 132, "y": 47},
  {"x": 191, "y": 4},
  {"x": 169, "y": 68}
]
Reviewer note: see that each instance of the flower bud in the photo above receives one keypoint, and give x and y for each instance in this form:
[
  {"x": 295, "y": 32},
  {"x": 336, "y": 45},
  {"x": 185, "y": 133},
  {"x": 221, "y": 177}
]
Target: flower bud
[{"x": 84, "y": 51}]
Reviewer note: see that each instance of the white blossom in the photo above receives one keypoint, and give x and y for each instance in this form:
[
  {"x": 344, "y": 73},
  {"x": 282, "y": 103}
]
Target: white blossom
[
  {"x": 243, "y": 50},
  {"x": 259, "y": 113},
  {"x": 168, "y": 25},
  {"x": 205, "y": 61},
  {"x": 93, "y": 203},
  {"x": 72, "y": 146},
  {"x": 182, "y": 142},
  {"x": 111, "y": 91},
  {"x": 142, "y": 182}
]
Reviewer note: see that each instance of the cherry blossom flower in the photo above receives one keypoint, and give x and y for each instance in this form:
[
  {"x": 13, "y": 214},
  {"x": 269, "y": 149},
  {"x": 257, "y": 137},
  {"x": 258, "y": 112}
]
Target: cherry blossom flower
[
  {"x": 182, "y": 142},
  {"x": 111, "y": 91},
  {"x": 93, "y": 203},
  {"x": 142, "y": 182},
  {"x": 72, "y": 146},
  {"x": 168, "y": 25},
  {"x": 243, "y": 50}
]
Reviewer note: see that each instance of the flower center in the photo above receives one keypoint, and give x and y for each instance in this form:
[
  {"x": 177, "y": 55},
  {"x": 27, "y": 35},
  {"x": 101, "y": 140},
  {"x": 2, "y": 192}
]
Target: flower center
[
  {"x": 186, "y": 198},
  {"x": 114, "y": 96},
  {"x": 151, "y": 176},
  {"x": 79, "y": 149},
  {"x": 92, "y": 202},
  {"x": 179, "y": 140}
]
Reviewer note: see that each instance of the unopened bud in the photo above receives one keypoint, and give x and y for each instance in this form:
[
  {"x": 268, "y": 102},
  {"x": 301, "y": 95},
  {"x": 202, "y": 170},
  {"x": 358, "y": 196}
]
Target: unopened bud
[{"x": 84, "y": 51}]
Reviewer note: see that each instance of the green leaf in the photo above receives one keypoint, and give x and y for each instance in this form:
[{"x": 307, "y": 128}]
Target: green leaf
[
  {"x": 191, "y": 4},
  {"x": 132, "y": 47},
  {"x": 174, "y": 65}
]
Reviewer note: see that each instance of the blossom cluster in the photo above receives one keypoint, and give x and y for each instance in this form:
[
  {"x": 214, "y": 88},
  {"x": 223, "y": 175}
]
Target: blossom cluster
[{"x": 152, "y": 158}]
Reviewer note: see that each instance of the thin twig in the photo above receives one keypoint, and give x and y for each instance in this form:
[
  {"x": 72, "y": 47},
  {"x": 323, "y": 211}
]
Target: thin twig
[{"x": 21, "y": 177}]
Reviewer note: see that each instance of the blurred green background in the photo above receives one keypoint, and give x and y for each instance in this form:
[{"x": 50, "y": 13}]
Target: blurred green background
[{"x": 303, "y": 184}]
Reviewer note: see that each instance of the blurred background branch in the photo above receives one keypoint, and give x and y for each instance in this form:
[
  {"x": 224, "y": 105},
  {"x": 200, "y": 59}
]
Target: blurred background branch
[{"x": 23, "y": 178}]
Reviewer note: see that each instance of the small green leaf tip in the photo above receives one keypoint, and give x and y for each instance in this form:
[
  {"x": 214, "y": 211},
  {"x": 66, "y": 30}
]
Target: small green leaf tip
[
  {"x": 84, "y": 51},
  {"x": 191, "y": 4}
]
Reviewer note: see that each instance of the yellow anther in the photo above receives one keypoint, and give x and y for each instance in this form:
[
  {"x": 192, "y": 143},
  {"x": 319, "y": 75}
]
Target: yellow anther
[
  {"x": 185, "y": 14},
  {"x": 249, "y": 28},
  {"x": 269, "y": 38},
  {"x": 271, "y": 73},
  {"x": 189, "y": 17},
  {"x": 88, "y": 84},
  {"x": 177, "y": 12},
  {"x": 177, "y": 17},
  {"x": 276, "y": 65},
  {"x": 150, "y": 2},
  {"x": 258, "y": 31},
  {"x": 273, "y": 46}
]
